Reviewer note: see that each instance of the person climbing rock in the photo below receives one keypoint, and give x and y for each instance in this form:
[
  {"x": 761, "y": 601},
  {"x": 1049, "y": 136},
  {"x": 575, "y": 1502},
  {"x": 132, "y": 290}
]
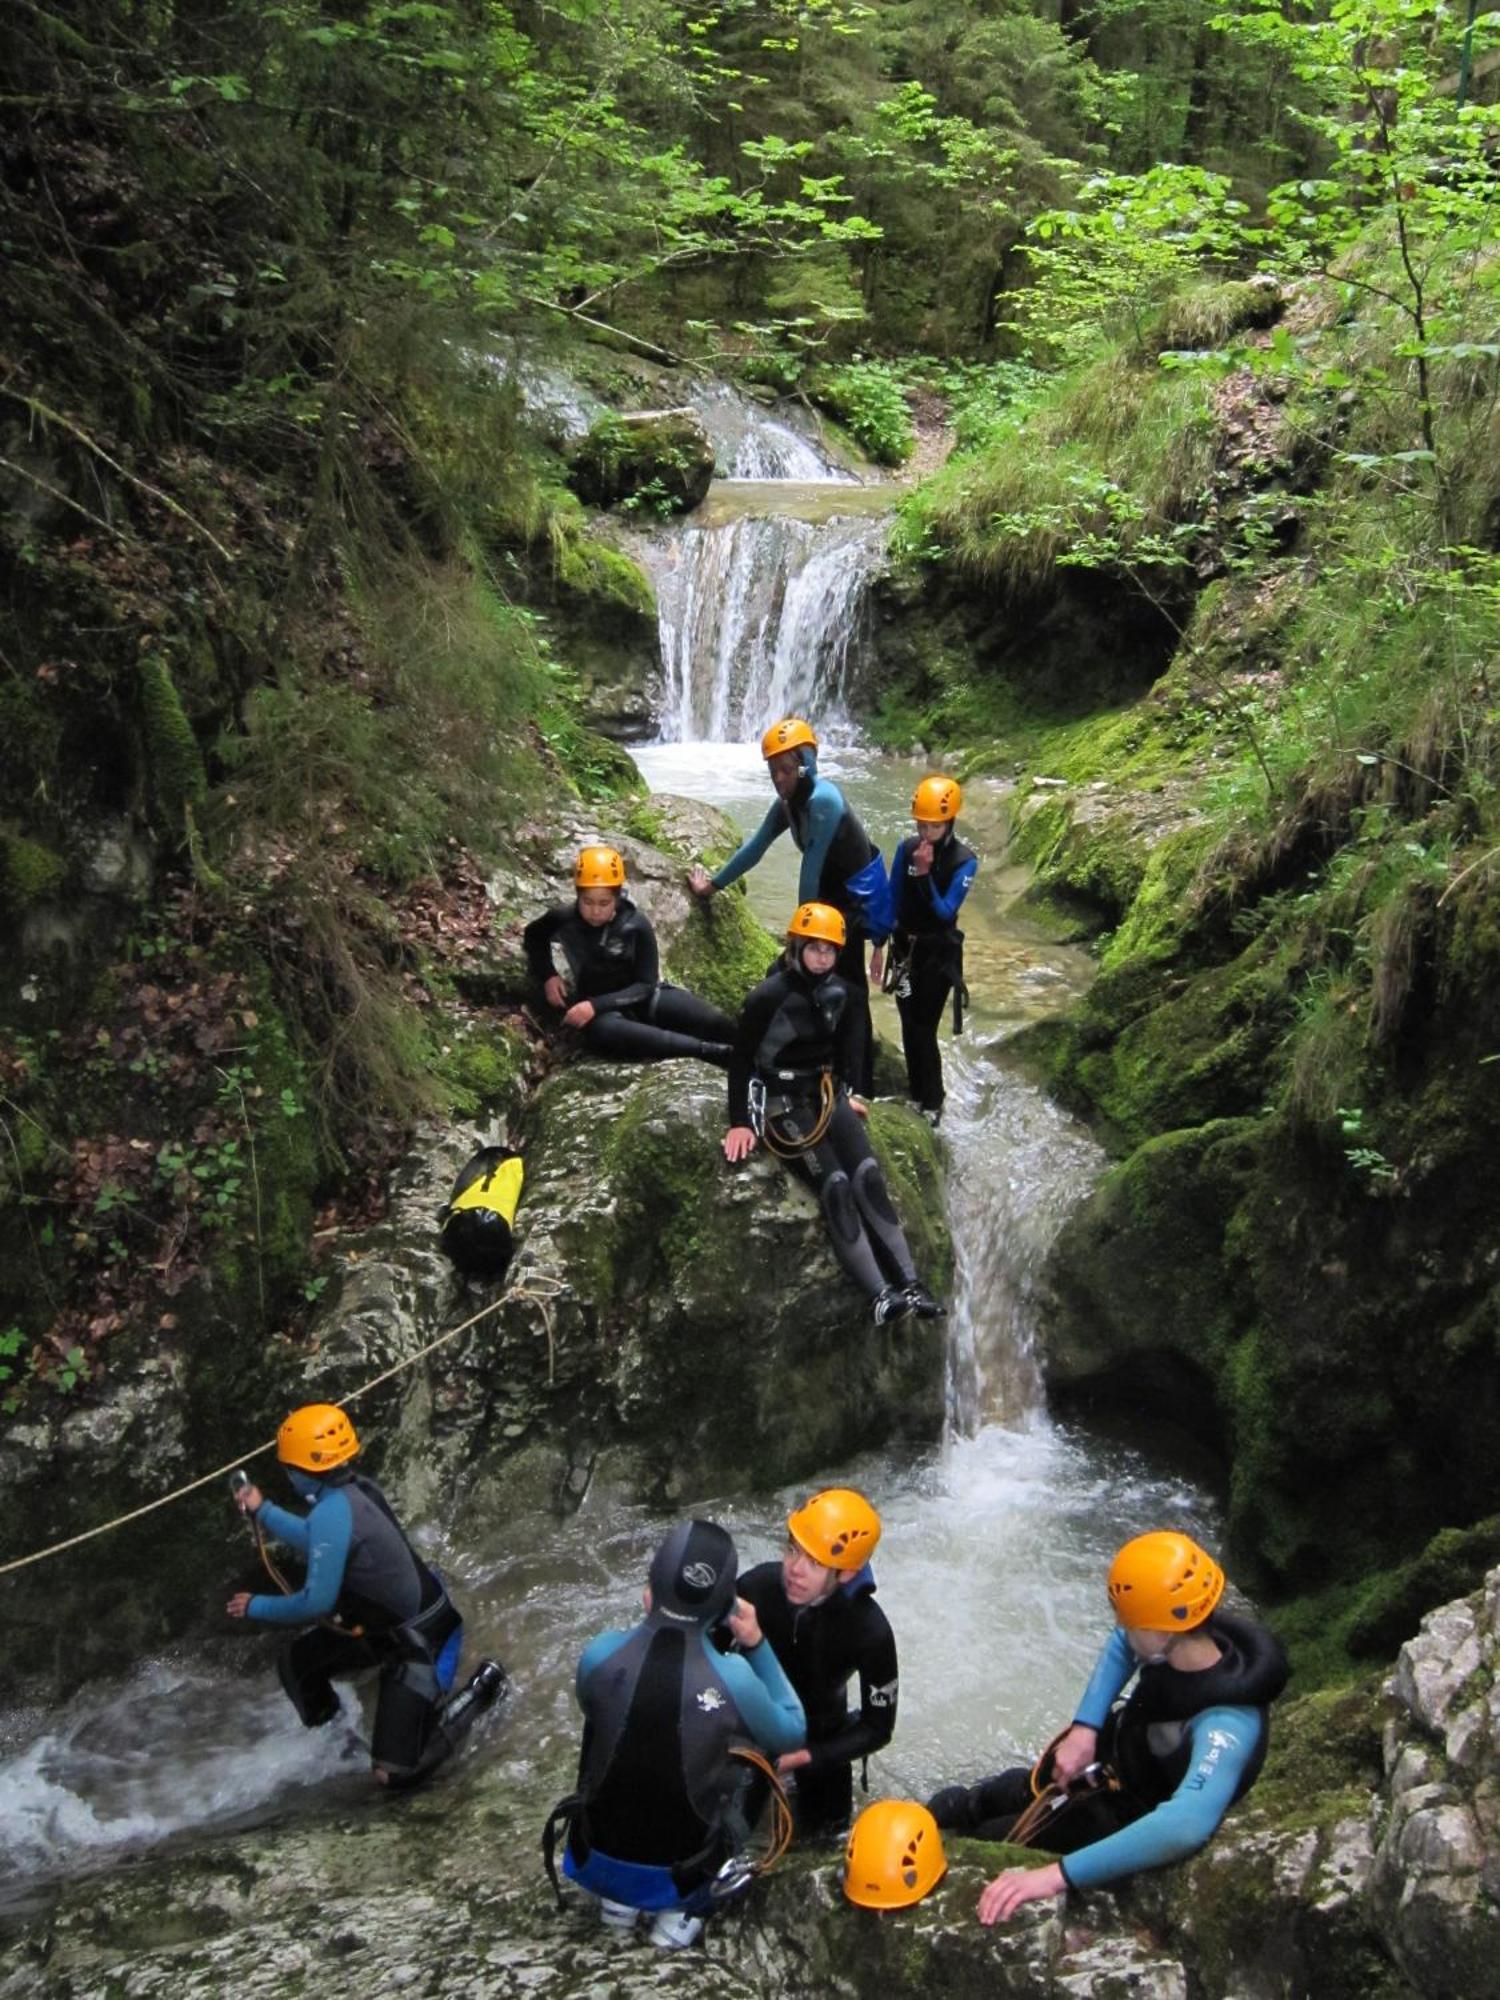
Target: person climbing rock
[
  {"x": 817, "y": 1608},
  {"x": 1147, "y": 1782},
  {"x": 596, "y": 961},
  {"x": 795, "y": 1052},
  {"x": 369, "y": 1601},
  {"x": 675, "y": 1740},
  {"x": 841, "y": 866},
  {"x": 930, "y": 875}
]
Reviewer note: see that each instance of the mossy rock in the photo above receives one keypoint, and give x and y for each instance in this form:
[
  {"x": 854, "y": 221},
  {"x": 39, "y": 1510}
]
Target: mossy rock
[{"x": 658, "y": 461}]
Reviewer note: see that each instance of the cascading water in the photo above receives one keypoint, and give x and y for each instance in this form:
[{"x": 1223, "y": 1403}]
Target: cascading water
[{"x": 761, "y": 617}]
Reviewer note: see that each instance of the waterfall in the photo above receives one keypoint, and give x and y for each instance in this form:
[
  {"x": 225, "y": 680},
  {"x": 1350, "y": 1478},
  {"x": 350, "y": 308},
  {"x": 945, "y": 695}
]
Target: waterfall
[{"x": 760, "y": 617}]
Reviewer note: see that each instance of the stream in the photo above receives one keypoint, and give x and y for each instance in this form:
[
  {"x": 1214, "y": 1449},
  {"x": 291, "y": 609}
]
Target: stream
[{"x": 995, "y": 1540}]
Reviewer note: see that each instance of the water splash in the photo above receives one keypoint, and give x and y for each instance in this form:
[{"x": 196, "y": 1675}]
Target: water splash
[{"x": 750, "y": 443}]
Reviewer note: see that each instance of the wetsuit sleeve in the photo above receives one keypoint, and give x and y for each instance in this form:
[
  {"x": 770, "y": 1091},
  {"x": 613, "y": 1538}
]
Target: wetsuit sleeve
[
  {"x": 330, "y": 1529},
  {"x": 1114, "y": 1667},
  {"x": 825, "y": 809},
  {"x": 283, "y": 1526},
  {"x": 755, "y": 1017},
  {"x": 1224, "y": 1740},
  {"x": 594, "y": 1654},
  {"x": 536, "y": 940},
  {"x": 750, "y": 851},
  {"x": 872, "y": 1728},
  {"x": 768, "y": 1703},
  {"x": 947, "y": 906},
  {"x": 645, "y": 963}
]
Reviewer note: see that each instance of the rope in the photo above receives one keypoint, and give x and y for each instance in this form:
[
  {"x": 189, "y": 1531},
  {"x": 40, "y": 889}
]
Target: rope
[
  {"x": 786, "y": 1147},
  {"x": 520, "y": 1291},
  {"x": 779, "y": 1838}
]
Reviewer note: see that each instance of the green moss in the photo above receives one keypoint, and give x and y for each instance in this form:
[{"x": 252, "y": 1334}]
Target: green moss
[
  {"x": 174, "y": 763},
  {"x": 911, "y": 1157},
  {"x": 29, "y": 872},
  {"x": 721, "y": 952},
  {"x": 485, "y": 1068},
  {"x": 593, "y": 569}
]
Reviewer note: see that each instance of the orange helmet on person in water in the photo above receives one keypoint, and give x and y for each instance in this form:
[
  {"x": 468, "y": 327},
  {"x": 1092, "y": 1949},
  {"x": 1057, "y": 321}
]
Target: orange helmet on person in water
[
  {"x": 1163, "y": 1582},
  {"x": 791, "y": 733},
  {"x": 599, "y": 868},
  {"x": 819, "y": 920},
  {"x": 316, "y": 1438},
  {"x": 937, "y": 797},
  {"x": 894, "y": 1855},
  {"x": 837, "y": 1528}
]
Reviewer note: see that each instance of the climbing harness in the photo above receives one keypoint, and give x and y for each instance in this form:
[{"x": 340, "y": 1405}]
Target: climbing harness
[
  {"x": 537, "y": 1287},
  {"x": 766, "y": 1107},
  {"x": 1049, "y": 1797}
]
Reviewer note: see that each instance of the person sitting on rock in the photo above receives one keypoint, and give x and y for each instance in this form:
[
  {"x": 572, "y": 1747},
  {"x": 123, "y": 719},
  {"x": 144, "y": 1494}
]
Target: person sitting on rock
[
  {"x": 789, "y": 1076},
  {"x": 596, "y": 962},
  {"x": 1146, "y": 1782},
  {"x": 369, "y": 1601},
  {"x": 665, "y": 1799},
  {"x": 817, "y": 1607},
  {"x": 841, "y": 866},
  {"x": 930, "y": 876}
]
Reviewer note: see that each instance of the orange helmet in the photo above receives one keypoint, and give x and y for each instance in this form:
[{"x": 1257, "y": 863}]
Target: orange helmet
[
  {"x": 316, "y": 1438},
  {"x": 837, "y": 1527},
  {"x": 791, "y": 733},
  {"x": 894, "y": 1856},
  {"x": 599, "y": 868},
  {"x": 937, "y": 798},
  {"x": 818, "y": 920},
  {"x": 1163, "y": 1582}
]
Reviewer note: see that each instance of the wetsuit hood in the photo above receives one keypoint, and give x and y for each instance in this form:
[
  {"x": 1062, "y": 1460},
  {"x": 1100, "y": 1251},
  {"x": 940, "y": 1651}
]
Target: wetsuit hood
[
  {"x": 693, "y": 1576},
  {"x": 860, "y": 1584},
  {"x": 303, "y": 1483}
]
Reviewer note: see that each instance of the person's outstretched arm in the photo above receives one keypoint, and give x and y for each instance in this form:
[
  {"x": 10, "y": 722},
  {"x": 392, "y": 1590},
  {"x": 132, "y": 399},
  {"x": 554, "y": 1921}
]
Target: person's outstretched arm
[
  {"x": 330, "y": 1530},
  {"x": 750, "y": 851}
]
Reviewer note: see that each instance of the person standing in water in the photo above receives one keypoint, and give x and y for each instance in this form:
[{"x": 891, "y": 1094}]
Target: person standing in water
[
  {"x": 817, "y": 1608},
  {"x": 790, "y": 1074},
  {"x": 597, "y": 964},
  {"x": 368, "y": 1601},
  {"x": 841, "y": 866},
  {"x": 1147, "y": 1782},
  {"x": 662, "y": 1814},
  {"x": 930, "y": 876}
]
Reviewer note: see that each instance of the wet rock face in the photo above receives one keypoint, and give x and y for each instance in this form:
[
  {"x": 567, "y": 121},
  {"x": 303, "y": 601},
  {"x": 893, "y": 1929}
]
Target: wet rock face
[{"x": 1436, "y": 1879}]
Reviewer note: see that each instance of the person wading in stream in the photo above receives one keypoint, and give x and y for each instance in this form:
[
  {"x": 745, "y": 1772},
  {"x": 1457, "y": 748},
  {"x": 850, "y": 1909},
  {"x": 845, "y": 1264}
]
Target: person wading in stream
[
  {"x": 375, "y": 1602},
  {"x": 930, "y": 876},
  {"x": 1147, "y": 1782},
  {"x": 817, "y": 1607},
  {"x": 596, "y": 962},
  {"x": 841, "y": 866},
  {"x": 794, "y": 1056},
  {"x": 673, "y": 1769}
]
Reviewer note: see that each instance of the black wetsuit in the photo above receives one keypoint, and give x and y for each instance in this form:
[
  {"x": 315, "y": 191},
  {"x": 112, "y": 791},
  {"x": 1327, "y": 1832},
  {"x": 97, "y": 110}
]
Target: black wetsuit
[
  {"x": 927, "y": 954},
  {"x": 791, "y": 1031},
  {"x": 822, "y": 1647},
  {"x": 615, "y": 965}
]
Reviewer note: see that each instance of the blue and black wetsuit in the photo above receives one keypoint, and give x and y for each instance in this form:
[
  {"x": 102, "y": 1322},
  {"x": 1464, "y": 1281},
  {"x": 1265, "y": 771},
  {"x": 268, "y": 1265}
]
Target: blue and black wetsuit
[
  {"x": 637, "y": 1017},
  {"x": 927, "y": 955},
  {"x": 841, "y": 866},
  {"x": 1185, "y": 1747},
  {"x": 663, "y": 1803},
  {"x": 823, "y": 1647},
  {"x": 362, "y": 1570}
]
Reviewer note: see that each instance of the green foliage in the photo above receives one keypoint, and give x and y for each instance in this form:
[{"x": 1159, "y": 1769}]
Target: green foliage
[
  {"x": 867, "y": 398},
  {"x": 174, "y": 762}
]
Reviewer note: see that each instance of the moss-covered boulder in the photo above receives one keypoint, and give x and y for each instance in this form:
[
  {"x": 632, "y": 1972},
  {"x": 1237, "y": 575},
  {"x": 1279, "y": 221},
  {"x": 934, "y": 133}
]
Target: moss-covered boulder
[{"x": 652, "y": 461}]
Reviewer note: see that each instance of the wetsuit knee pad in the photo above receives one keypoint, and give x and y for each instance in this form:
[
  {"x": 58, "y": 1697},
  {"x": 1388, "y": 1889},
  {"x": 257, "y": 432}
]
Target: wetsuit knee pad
[
  {"x": 838, "y": 1205},
  {"x": 406, "y": 1717},
  {"x": 874, "y": 1195}
]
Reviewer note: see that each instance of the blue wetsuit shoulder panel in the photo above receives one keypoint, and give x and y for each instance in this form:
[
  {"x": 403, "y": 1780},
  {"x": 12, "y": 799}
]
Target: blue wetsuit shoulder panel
[{"x": 330, "y": 1530}]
